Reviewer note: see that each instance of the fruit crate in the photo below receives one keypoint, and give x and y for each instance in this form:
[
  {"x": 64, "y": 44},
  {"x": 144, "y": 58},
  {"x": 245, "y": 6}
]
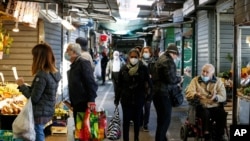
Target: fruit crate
[
  {"x": 6, "y": 135},
  {"x": 58, "y": 130}
]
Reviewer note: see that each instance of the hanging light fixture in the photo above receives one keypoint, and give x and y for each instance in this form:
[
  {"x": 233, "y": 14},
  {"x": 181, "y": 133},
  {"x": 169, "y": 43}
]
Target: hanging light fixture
[
  {"x": 16, "y": 29},
  {"x": 128, "y": 9}
]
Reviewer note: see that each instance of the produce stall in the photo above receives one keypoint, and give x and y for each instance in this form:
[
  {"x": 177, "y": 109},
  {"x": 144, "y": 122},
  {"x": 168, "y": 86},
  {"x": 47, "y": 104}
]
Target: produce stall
[{"x": 11, "y": 103}]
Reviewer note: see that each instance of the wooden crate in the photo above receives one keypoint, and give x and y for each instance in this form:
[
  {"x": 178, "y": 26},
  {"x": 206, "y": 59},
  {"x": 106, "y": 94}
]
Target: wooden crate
[{"x": 58, "y": 130}]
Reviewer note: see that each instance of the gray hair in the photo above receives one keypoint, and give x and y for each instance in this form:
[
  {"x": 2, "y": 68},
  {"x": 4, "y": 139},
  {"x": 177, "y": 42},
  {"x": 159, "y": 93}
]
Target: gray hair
[
  {"x": 209, "y": 66},
  {"x": 75, "y": 47}
]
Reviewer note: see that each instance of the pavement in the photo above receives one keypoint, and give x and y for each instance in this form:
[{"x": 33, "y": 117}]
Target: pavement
[{"x": 105, "y": 100}]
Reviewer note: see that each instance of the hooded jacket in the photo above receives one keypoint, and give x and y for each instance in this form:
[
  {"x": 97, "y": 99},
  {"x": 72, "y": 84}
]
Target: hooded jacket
[{"x": 43, "y": 93}]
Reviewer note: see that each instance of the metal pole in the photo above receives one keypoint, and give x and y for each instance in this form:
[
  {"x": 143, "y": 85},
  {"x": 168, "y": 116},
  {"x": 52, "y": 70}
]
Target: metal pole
[{"x": 236, "y": 74}]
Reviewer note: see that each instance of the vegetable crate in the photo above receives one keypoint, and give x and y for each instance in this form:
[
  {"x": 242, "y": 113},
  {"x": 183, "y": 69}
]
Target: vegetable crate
[{"x": 7, "y": 135}]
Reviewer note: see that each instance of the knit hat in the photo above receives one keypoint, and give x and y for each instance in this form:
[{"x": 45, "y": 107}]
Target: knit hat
[
  {"x": 172, "y": 48},
  {"x": 83, "y": 43}
]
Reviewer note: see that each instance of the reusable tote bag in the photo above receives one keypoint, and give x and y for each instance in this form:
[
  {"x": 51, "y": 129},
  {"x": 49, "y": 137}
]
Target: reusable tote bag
[
  {"x": 114, "y": 127},
  {"x": 23, "y": 125}
]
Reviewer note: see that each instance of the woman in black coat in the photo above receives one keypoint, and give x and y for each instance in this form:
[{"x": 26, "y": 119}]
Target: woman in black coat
[{"x": 132, "y": 80}]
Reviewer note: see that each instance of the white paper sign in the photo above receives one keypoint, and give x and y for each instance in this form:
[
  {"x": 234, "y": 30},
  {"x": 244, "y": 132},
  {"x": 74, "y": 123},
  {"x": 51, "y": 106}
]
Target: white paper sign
[
  {"x": 1, "y": 74},
  {"x": 15, "y": 72}
]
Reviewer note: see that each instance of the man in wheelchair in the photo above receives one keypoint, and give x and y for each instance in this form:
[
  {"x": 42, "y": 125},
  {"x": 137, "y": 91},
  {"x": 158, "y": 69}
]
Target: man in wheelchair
[{"x": 210, "y": 92}]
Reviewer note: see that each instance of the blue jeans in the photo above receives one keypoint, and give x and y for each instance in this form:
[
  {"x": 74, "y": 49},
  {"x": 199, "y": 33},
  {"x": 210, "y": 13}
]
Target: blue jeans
[
  {"x": 163, "y": 108},
  {"x": 39, "y": 132}
]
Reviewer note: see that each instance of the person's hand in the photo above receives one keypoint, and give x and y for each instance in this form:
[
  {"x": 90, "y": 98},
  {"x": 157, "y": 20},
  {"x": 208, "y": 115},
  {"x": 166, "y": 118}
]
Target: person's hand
[
  {"x": 116, "y": 102},
  {"x": 20, "y": 81},
  {"x": 91, "y": 105}
]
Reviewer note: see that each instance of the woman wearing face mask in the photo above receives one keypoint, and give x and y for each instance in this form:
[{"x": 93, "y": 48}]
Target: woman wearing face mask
[
  {"x": 148, "y": 60},
  {"x": 211, "y": 92},
  {"x": 131, "y": 92},
  {"x": 114, "y": 65}
]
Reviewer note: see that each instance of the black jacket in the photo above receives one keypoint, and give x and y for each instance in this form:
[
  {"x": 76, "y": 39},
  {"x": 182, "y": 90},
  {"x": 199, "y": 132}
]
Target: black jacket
[
  {"x": 43, "y": 93},
  {"x": 164, "y": 75},
  {"x": 131, "y": 89},
  {"x": 81, "y": 82}
]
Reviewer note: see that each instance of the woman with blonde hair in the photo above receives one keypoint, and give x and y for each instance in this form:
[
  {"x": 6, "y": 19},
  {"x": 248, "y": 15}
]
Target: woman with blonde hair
[{"x": 43, "y": 88}]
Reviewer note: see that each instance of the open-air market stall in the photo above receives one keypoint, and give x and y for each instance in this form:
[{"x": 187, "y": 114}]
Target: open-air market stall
[{"x": 241, "y": 97}]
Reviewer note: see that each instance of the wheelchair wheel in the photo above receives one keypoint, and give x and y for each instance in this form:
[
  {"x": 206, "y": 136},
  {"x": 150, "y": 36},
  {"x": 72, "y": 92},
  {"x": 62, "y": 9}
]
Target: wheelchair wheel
[{"x": 184, "y": 132}]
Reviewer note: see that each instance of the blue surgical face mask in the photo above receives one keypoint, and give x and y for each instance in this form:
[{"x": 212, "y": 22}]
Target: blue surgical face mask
[
  {"x": 205, "y": 78},
  {"x": 146, "y": 55},
  {"x": 66, "y": 56}
]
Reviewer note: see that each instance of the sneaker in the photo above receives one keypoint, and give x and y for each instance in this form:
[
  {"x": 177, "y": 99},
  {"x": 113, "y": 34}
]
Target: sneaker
[{"x": 145, "y": 128}]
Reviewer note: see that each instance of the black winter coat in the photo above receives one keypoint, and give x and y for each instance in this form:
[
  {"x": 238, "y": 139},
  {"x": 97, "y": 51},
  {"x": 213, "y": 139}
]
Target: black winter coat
[
  {"x": 164, "y": 75},
  {"x": 81, "y": 82},
  {"x": 131, "y": 89},
  {"x": 43, "y": 93}
]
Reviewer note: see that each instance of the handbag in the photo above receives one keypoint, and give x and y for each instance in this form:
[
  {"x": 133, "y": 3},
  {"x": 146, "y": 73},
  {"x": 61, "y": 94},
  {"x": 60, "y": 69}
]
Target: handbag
[
  {"x": 23, "y": 126},
  {"x": 114, "y": 127},
  {"x": 176, "y": 96}
]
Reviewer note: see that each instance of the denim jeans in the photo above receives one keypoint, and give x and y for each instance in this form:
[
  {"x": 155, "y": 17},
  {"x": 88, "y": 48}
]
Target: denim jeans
[
  {"x": 39, "y": 132},
  {"x": 163, "y": 108}
]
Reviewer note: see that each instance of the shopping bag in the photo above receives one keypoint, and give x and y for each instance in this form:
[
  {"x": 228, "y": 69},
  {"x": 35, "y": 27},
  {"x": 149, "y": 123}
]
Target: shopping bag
[
  {"x": 23, "y": 125},
  {"x": 114, "y": 127},
  {"x": 85, "y": 131},
  {"x": 102, "y": 125},
  {"x": 94, "y": 125},
  {"x": 79, "y": 123}
]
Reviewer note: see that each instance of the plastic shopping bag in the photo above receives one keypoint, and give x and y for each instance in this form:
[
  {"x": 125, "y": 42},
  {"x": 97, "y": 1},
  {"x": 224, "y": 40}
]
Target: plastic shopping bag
[
  {"x": 114, "y": 127},
  {"x": 23, "y": 125},
  {"x": 85, "y": 131}
]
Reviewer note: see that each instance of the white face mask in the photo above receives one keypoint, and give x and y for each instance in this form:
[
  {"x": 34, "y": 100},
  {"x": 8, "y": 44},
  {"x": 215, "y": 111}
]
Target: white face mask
[
  {"x": 146, "y": 55},
  {"x": 133, "y": 61}
]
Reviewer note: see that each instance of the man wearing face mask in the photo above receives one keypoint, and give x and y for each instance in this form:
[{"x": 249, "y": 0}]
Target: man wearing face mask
[
  {"x": 164, "y": 80},
  {"x": 131, "y": 92},
  {"x": 81, "y": 83},
  {"x": 210, "y": 91}
]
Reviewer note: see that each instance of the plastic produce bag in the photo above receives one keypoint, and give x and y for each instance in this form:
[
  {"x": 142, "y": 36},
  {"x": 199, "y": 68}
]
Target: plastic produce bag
[
  {"x": 114, "y": 127},
  {"x": 102, "y": 125},
  {"x": 23, "y": 126}
]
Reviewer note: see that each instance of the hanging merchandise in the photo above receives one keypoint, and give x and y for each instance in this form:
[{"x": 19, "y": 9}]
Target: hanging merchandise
[
  {"x": 103, "y": 38},
  {"x": 5, "y": 41}
]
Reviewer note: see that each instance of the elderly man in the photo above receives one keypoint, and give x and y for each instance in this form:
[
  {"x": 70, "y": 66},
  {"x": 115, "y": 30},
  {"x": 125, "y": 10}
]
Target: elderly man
[{"x": 210, "y": 91}]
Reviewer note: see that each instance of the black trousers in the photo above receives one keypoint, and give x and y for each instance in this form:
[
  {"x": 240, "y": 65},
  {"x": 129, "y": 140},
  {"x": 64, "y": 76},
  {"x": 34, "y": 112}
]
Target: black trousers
[
  {"x": 217, "y": 114},
  {"x": 163, "y": 108},
  {"x": 131, "y": 112},
  {"x": 114, "y": 77}
]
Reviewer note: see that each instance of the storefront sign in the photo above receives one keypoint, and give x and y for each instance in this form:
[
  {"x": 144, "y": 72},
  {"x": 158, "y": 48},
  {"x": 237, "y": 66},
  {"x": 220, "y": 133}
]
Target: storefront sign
[{"x": 188, "y": 7}]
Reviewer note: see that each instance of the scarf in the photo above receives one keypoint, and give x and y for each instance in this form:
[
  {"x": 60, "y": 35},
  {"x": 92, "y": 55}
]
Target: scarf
[{"x": 132, "y": 69}]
